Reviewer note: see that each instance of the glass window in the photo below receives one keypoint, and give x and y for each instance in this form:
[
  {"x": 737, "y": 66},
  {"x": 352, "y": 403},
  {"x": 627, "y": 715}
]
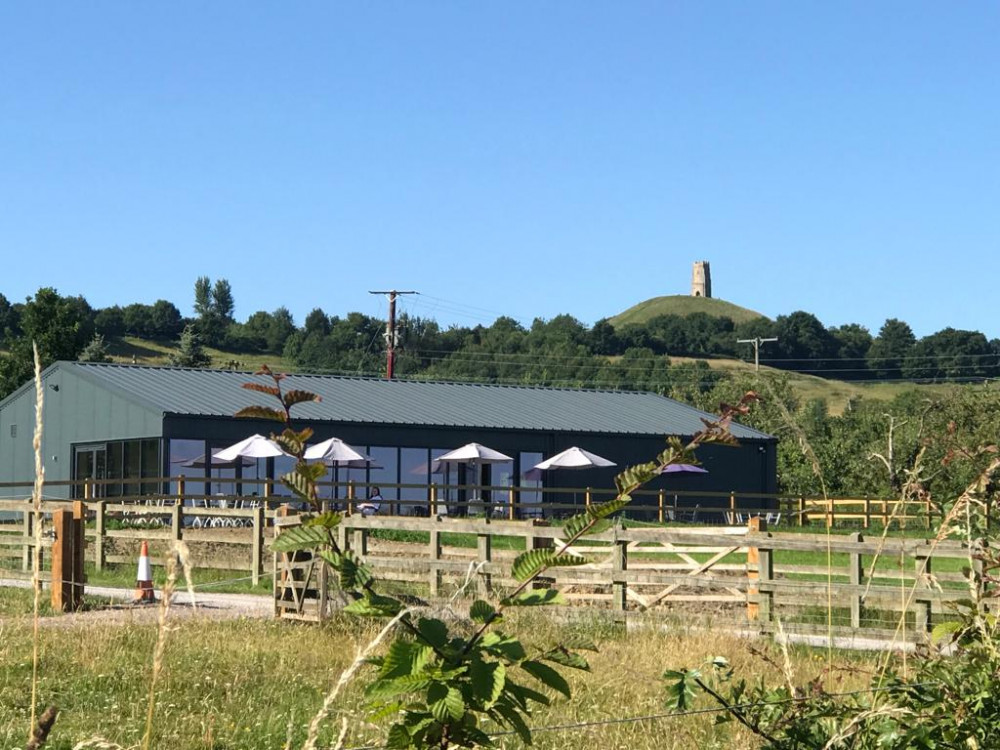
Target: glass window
[
  {"x": 413, "y": 470},
  {"x": 530, "y": 496},
  {"x": 385, "y": 473},
  {"x": 150, "y": 465},
  {"x": 132, "y": 466},
  {"x": 115, "y": 469},
  {"x": 282, "y": 465},
  {"x": 187, "y": 459}
]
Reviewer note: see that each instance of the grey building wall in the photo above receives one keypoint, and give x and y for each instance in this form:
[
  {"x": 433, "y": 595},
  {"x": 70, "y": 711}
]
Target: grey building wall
[{"x": 76, "y": 411}]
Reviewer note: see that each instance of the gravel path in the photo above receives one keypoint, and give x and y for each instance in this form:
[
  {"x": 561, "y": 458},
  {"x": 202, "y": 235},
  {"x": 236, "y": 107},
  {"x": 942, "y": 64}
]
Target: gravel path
[{"x": 206, "y": 604}]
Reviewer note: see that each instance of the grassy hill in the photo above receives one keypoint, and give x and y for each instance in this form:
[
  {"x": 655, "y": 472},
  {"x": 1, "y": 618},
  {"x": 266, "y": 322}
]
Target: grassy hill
[{"x": 681, "y": 304}]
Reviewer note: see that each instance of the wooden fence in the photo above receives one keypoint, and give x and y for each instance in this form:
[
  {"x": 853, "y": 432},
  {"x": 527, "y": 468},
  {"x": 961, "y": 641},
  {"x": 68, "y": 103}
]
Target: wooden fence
[
  {"x": 514, "y": 502},
  {"x": 746, "y": 575}
]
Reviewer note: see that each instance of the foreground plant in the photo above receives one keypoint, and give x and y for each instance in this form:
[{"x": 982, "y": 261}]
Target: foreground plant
[{"x": 447, "y": 685}]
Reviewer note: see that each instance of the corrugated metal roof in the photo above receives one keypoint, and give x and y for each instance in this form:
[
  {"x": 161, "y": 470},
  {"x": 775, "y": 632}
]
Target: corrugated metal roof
[{"x": 409, "y": 402}]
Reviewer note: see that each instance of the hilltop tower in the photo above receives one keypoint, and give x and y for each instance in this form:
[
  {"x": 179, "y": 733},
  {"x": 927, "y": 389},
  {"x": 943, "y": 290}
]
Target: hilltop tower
[{"x": 701, "y": 279}]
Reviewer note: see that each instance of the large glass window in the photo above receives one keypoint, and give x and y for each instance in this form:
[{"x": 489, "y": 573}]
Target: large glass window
[
  {"x": 115, "y": 469},
  {"x": 150, "y": 466},
  {"x": 413, "y": 470},
  {"x": 530, "y": 496},
  {"x": 384, "y": 474}
]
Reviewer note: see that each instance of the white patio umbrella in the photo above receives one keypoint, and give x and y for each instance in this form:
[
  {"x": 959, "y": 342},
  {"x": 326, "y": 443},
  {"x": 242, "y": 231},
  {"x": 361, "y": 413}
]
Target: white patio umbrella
[
  {"x": 338, "y": 454},
  {"x": 571, "y": 458},
  {"x": 335, "y": 452},
  {"x": 255, "y": 446},
  {"x": 474, "y": 455},
  {"x": 574, "y": 458}
]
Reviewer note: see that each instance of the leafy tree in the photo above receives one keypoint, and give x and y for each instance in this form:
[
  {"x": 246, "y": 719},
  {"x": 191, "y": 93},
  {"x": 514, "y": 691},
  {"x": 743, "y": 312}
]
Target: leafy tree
[
  {"x": 890, "y": 348},
  {"x": 281, "y": 327},
  {"x": 222, "y": 300},
  {"x": 203, "y": 304},
  {"x": 853, "y": 344},
  {"x": 604, "y": 339},
  {"x": 138, "y": 320},
  {"x": 191, "y": 353},
  {"x": 950, "y": 354},
  {"x": 165, "y": 320},
  {"x": 60, "y": 326},
  {"x": 804, "y": 343},
  {"x": 317, "y": 321},
  {"x": 9, "y": 319},
  {"x": 110, "y": 321},
  {"x": 95, "y": 351}
]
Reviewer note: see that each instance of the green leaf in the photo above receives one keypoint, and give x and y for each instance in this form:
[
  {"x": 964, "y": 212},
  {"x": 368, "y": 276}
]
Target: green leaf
[
  {"x": 536, "y": 598},
  {"x": 547, "y": 676},
  {"x": 579, "y": 643},
  {"x": 513, "y": 719},
  {"x": 353, "y": 573},
  {"x": 261, "y": 412},
  {"x": 944, "y": 629},
  {"x": 437, "y": 695},
  {"x": 487, "y": 680},
  {"x": 293, "y": 397},
  {"x": 434, "y": 632},
  {"x": 382, "y": 689},
  {"x": 294, "y": 538},
  {"x": 566, "y": 658},
  {"x": 521, "y": 694},
  {"x": 300, "y": 485},
  {"x": 505, "y": 646},
  {"x": 398, "y": 738},
  {"x": 374, "y": 605},
  {"x": 530, "y": 563},
  {"x": 481, "y": 611},
  {"x": 577, "y": 524},
  {"x": 328, "y": 520}
]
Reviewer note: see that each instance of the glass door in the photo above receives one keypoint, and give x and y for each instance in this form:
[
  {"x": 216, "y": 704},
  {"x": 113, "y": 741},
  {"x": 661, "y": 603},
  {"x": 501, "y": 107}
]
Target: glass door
[{"x": 89, "y": 462}]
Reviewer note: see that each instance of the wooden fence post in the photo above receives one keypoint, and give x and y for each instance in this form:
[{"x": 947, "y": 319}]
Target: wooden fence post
[
  {"x": 350, "y": 497},
  {"x": 66, "y": 590},
  {"x": 435, "y": 555},
  {"x": 99, "y": 531},
  {"x": 586, "y": 498},
  {"x": 885, "y": 513},
  {"x": 857, "y": 572},
  {"x": 432, "y": 504},
  {"x": 732, "y": 505},
  {"x": 177, "y": 521},
  {"x": 760, "y": 568},
  {"x": 79, "y": 546},
  {"x": 619, "y": 564},
  {"x": 924, "y": 607},
  {"x": 28, "y": 529},
  {"x": 512, "y": 504},
  {"x": 360, "y": 543},
  {"x": 802, "y": 511},
  {"x": 484, "y": 547},
  {"x": 257, "y": 548},
  {"x": 868, "y": 512},
  {"x": 659, "y": 501}
]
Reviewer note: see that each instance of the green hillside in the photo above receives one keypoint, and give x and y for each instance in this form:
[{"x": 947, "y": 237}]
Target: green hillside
[{"x": 681, "y": 304}]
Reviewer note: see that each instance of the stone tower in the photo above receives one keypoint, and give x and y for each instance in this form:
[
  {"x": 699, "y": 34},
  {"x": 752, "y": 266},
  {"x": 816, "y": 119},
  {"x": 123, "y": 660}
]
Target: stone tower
[{"x": 701, "y": 279}]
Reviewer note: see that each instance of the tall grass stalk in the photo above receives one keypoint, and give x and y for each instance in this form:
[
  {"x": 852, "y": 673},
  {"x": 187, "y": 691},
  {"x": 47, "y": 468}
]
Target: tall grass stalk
[
  {"x": 178, "y": 552},
  {"x": 36, "y": 561}
]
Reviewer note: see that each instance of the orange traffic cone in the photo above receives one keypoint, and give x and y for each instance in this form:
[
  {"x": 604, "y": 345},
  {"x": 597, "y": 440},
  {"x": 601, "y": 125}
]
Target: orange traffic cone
[{"x": 144, "y": 578}]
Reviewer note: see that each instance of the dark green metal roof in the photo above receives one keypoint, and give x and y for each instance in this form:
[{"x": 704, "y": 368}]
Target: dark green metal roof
[{"x": 408, "y": 402}]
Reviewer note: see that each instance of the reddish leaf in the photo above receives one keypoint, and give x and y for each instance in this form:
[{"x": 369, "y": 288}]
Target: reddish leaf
[
  {"x": 261, "y": 412},
  {"x": 268, "y": 389}
]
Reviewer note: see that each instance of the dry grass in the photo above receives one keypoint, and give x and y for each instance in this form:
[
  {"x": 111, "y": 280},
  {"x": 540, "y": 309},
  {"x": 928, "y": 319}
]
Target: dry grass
[{"x": 239, "y": 684}]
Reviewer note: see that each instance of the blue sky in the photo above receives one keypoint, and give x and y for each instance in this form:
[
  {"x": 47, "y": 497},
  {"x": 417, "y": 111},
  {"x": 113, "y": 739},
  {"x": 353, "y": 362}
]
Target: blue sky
[{"x": 527, "y": 158}]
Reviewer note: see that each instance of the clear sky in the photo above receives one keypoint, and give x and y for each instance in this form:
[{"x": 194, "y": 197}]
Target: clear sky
[{"x": 520, "y": 158}]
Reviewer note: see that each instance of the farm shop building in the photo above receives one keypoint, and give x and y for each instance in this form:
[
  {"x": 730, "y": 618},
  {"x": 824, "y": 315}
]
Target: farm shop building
[{"x": 133, "y": 423}]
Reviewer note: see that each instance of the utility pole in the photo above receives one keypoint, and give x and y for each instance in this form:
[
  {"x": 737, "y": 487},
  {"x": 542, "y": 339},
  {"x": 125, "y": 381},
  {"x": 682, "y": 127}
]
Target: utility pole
[
  {"x": 756, "y": 349},
  {"x": 390, "y": 332}
]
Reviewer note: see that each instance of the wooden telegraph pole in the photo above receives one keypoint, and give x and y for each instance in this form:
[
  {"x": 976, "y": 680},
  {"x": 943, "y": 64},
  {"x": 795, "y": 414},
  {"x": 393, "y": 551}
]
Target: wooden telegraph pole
[
  {"x": 756, "y": 349},
  {"x": 390, "y": 332}
]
